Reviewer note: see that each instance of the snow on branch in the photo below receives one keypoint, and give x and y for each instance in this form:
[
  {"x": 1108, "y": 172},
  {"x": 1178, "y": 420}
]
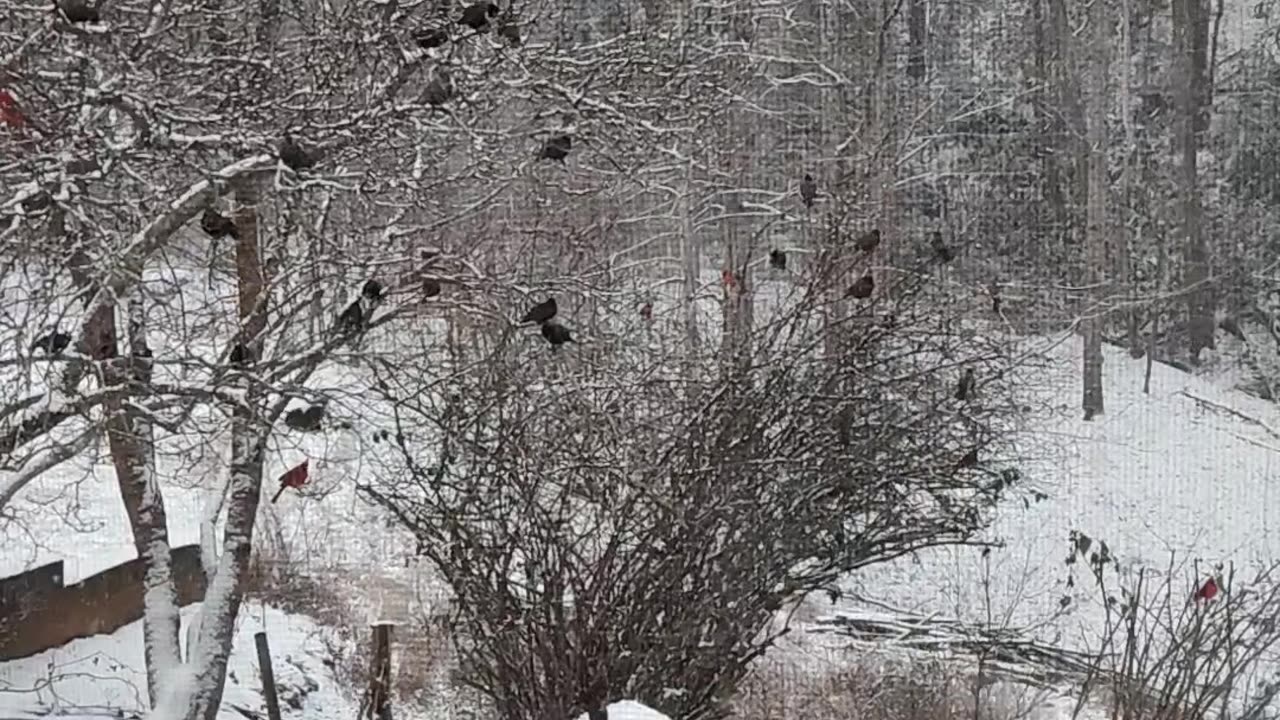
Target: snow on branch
[{"x": 121, "y": 276}]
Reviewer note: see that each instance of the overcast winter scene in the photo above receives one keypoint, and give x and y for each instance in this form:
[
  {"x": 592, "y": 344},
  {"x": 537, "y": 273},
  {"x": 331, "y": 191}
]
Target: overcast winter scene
[{"x": 640, "y": 359}]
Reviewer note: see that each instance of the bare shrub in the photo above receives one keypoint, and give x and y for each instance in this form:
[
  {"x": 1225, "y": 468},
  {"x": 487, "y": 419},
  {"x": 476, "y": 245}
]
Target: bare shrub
[
  {"x": 874, "y": 688},
  {"x": 1166, "y": 653}
]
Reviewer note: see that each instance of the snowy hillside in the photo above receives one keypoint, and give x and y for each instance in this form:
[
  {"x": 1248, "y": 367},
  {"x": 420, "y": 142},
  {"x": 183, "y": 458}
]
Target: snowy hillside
[
  {"x": 1184, "y": 470},
  {"x": 1183, "y": 474}
]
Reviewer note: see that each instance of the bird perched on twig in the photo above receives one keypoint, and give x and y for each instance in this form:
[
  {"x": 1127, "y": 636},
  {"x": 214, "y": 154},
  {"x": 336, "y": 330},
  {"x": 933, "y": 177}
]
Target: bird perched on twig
[
  {"x": 862, "y": 288},
  {"x": 52, "y": 343},
  {"x": 965, "y": 388},
  {"x": 808, "y": 190},
  {"x": 940, "y": 248},
  {"x": 556, "y": 334},
  {"x": 295, "y": 477},
  {"x": 508, "y": 30},
  {"x": 372, "y": 290},
  {"x": 542, "y": 312},
  {"x": 556, "y": 147},
  {"x": 477, "y": 15},
  {"x": 352, "y": 319},
  {"x": 305, "y": 420},
  {"x": 868, "y": 242},
  {"x": 78, "y": 11},
  {"x": 1207, "y": 591},
  {"x": 216, "y": 225},
  {"x": 294, "y": 156},
  {"x": 429, "y": 38},
  {"x": 778, "y": 259}
]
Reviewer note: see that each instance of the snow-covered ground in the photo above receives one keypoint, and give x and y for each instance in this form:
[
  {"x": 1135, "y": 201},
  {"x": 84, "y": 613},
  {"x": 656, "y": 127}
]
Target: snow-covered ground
[
  {"x": 1184, "y": 470},
  {"x": 105, "y": 675}
]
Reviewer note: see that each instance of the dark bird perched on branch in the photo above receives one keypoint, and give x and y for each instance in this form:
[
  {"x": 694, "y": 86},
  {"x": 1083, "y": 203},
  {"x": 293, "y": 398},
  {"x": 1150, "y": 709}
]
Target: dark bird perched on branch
[
  {"x": 429, "y": 38},
  {"x": 940, "y": 249},
  {"x": 969, "y": 460},
  {"x": 862, "y": 288},
  {"x": 78, "y": 11},
  {"x": 965, "y": 388},
  {"x": 430, "y": 287},
  {"x": 352, "y": 319},
  {"x": 440, "y": 89},
  {"x": 508, "y": 30},
  {"x": 52, "y": 343},
  {"x": 868, "y": 242},
  {"x": 778, "y": 259},
  {"x": 556, "y": 334},
  {"x": 808, "y": 190},
  {"x": 216, "y": 225},
  {"x": 556, "y": 148},
  {"x": 476, "y": 16},
  {"x": 294, "y": 156},
  {"x": 239, "y": 355},
  {"x": 372, "y": 290},
  {"x": 307, "y": 420},
  {"x": 542, "y": 312}
]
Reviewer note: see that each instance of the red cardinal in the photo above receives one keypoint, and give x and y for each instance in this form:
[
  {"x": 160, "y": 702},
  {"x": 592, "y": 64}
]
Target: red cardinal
[
  {"x": 9, "y": 113},
  {"x": 1207, "y": 591},
  {"x": 646, "y": 311},
  {"x": 293, "y": 478}
]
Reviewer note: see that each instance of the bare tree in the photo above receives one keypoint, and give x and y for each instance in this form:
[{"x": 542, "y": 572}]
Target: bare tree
[{"x": 1097, "y": 226}]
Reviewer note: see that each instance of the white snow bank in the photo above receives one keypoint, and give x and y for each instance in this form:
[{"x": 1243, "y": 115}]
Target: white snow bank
[
  {"x": 98, "y": 676},
  {"x": 631, "y": 710}
]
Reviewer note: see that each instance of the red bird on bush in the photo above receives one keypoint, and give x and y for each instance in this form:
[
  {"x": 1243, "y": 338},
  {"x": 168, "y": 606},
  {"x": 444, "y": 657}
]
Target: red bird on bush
[
  {"x": 1207, "y": 591},
  {"x": 295, "y": 477},
  {"x": 10, "y": 114}
]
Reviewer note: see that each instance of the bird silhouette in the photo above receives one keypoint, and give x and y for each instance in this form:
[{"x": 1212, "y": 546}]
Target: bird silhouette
[
  {"x": 940, "y": 248},
  {"x": 78, "y": 11},
  {"x": 239, "y": 355},
  {"x": 808, "y": 190},
  {"x": 862, "y": 288},
  {"x": 509, "y": 30},
  {"x": 970, "y": 459},
  {"x": 52, "y": 343},
  {"x": 542, "y": 312},
  {"x": 440, "y": 89},
  {"x": 1207, "y": 591},
  {"x": 429, "y": 38},
  {"x": 556, "y": 334},
  {"x": 556, "y": 148},
  {"x": 372, "y": 290},
  {"x": 307, "y": 420},
  {"x": 965, "y": 388},
  {"x": 778, "y": 259},
  {"x": 352, "y": 319},
  {"x": 294, "y": 156},
  {"x": 476, "y": 16},
  {"x": 216, "y": 225},
  {"x": 867, "y": 242},
  {"x": 430, "y": 287}
]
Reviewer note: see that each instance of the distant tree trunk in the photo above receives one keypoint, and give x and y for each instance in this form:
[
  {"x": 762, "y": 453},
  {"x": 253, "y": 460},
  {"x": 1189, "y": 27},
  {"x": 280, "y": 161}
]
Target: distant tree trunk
[
  {"x": 1096, "y": 97},
  {"x": 1124, "y": 255},
  {"x": 692, "y": 266},
  {"x": 917, "y": 33},
  {"x": 1189, "y": 33}
]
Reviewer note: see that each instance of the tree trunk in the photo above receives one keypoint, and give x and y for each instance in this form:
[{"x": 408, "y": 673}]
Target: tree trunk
[
  {"x": 1188, "y": 25},
  {"x": 248, "y": 441},
  {"x": 1097, "y": 52}
]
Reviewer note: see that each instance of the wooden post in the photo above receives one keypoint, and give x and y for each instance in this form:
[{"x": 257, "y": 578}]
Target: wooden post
[
  {"x": 268, "y": 676},
  {"x": 380, "y": 676}
]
